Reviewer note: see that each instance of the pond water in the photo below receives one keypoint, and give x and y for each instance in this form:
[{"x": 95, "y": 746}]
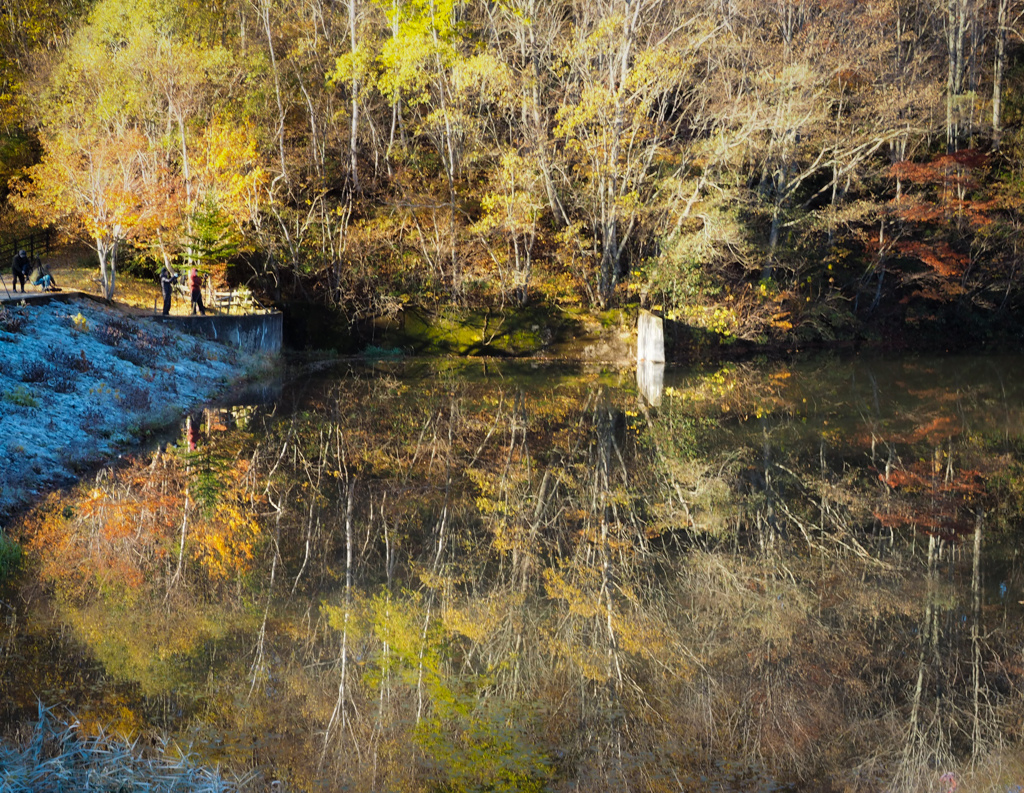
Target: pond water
[{"x": 439, "y": 575}]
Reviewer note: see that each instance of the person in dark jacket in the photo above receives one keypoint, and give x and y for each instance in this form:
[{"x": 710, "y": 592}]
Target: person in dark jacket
[
  {"x": 167, "y": 281},
  {"x": 195, "y": 285},
  {"x": 20, "y": 268}
]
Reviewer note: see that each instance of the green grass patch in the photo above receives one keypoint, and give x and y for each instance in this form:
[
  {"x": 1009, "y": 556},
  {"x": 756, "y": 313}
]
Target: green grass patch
[{"x": 21, "y": 396}]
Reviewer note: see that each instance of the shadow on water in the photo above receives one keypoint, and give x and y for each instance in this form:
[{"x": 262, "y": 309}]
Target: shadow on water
[{"x": 438, "y": 575}]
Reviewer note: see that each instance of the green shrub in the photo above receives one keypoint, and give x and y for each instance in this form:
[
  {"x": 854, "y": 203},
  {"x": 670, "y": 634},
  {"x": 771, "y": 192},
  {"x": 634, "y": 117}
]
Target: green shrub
[{"x": 21, "y": 396}]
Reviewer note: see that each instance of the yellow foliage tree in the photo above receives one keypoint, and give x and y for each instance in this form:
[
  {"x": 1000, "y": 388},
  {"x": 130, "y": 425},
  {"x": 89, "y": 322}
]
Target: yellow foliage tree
[{"x": 107, "y": 188}]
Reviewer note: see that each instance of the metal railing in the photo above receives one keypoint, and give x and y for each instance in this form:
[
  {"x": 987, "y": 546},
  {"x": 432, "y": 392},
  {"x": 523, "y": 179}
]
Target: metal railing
[{"x": 37, "y": 244}]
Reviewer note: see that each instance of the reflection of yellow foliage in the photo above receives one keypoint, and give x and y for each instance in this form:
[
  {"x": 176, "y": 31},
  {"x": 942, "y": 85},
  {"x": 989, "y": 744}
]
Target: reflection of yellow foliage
[
  {"x": 591, "y": 662},
  {"x": 508, "y": 536},
  {"x": 645, "y": 636},
  {"x": 478, "y": 621},
  {"x": 226, "y": 543},
  {"x": 149, "y": 644},
  {"x": 580, "y": 602},
  {"x": 115, "y": 717}
]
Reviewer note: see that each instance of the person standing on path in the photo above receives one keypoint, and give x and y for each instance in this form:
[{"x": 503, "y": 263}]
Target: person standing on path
[
  {"x": 20, "y": 267},
  {"x": 195, "y": 284},
  {"x": 167, "y": 280}
]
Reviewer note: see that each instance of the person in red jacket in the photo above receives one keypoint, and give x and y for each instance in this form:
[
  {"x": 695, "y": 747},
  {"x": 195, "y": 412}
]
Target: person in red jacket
[{"x": 195, "y": 284}]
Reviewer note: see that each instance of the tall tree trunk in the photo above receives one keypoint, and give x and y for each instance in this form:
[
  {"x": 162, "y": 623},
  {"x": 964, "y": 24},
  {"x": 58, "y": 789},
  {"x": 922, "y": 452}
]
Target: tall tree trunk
[
  {"x": 448, "y": 156},
  {"x": 353, "y": 141},
  {"x": 618, "y": 74},
  {"x": 956, "y": 33},
  {"x": 106, "y": 252},
  {"x": 540, "y": 130},
  {"x": 998, "y": 68},
  {"x": 263, "y": 8}
]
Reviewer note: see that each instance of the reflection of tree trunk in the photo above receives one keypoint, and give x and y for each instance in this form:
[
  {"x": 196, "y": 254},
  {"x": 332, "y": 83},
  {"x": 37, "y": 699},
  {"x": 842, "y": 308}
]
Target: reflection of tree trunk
[
  {"x": 420, "y": 664},
  {"x": 605, "y": 510},
  {"x": 441, "y": 524},
  {"x": 976, "y": 634},
  {"x": 181, "y": 547},
  {"x": 531, "y": 539},
  {"x": 307, "y": 546},
  {"x": 339, "y": 705},
  {"x": 823, "y": 506},
  {"x": 767, "y": 522},
  {"x": 384, "y": 650},
  {"x": 926, "y": 629}
]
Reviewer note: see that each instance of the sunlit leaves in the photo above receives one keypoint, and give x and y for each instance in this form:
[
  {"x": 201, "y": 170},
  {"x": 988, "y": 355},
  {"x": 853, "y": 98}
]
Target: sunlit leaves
[
  {"x": 611, "y": 125},
  {"x": 109, "y": 188},
  {"x": 421, "y": 41},
  {"x": 124, "y": 108}
]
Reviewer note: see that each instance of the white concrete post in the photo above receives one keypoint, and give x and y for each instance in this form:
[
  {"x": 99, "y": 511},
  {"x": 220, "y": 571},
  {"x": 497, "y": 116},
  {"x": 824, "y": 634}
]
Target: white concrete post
[
  {"x": 650, "y": 338},
  {"x": 650, "y": 357}
]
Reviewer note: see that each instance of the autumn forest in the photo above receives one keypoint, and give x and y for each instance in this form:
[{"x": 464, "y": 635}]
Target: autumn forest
[
  {"x": 792, "y": 170},
  {"x": 765, "y": 572}
]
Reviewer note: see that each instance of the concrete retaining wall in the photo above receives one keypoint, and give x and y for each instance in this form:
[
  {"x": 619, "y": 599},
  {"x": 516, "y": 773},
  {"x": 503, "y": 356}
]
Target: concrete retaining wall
[{"x": 252, "y": 332}]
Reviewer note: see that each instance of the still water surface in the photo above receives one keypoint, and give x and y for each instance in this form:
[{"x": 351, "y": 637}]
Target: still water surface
[{"x": 492, "y": 576}]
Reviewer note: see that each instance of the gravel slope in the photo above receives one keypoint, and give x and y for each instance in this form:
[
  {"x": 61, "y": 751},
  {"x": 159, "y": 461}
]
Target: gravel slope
[{"x": 80, "y": 381}]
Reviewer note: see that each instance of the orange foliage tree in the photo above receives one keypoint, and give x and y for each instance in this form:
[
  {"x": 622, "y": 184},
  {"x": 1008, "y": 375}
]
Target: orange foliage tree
[{"x": 941, "y": 218}]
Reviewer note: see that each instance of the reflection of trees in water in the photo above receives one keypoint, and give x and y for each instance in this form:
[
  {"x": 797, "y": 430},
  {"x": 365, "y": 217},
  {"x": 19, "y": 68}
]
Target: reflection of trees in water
[
  {"x": 513, "y": 586},
  {"x": 819, "y": 659},
  {"x": 903, "y": 599}
]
